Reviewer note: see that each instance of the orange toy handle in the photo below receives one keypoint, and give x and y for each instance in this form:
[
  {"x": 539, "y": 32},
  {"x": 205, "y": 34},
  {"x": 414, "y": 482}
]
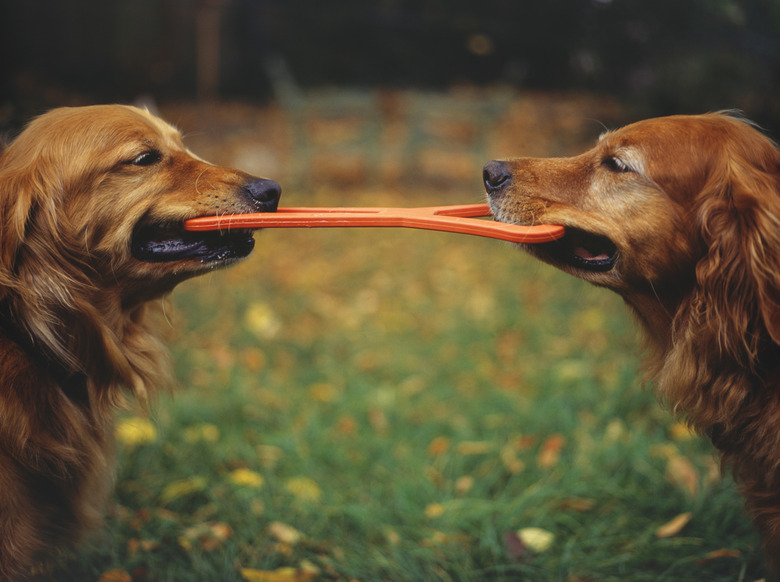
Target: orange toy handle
[{"x": 459, "y": 219}]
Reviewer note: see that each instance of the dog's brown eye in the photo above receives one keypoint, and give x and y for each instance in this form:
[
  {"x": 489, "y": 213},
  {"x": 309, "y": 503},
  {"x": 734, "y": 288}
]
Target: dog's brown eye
[
  {"x": 615, "y": 165},
  {"x": 145, "y": 159}
]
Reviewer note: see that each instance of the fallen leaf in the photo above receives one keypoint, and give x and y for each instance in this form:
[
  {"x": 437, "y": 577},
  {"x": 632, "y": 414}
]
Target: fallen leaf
[
  {"x": 680, "y": 431},
  {"x": 378, "y": 420},
  {"x": 578, "y": 504},
  {"x": 209, "y": 536},
  {"x": 674, "y": 526},
  {"x": 182, "y": 488},
  {"x": 550, "y": 451},
  {"x": 464, "y": 484},
  {"x": 115, "y": 575},
  {"x": 511, "y": 461},
  {"x": 535, "y": 538},
  {"x": 393, "y": 537},
  {"x": 309, "y": 568},
  {"x": 286, "y": 534},
  {"x": 246, "y": 478},
  {"x": 438, "y": 538},
  {"x": 304, "y": 489},
  {"x": 468, "y": 448},
  {"x": 280, "y": 575},
  {"x": 347, "y": 425},
  {"x": 253, "y": 359},
  {"x": 717, "y": 554},
  {"x": 438, "y": 446},
  {"x": 135, "y": 431},
  {"x": 323, "y": 392},
  {"x": 204, "y": 432},
  {"x": 434, "y": 510},
  {"x": 262, "y": 321},
  {"x": 664, "y": 451},
  {"x": 681, "y": 473},
  {"x": 269, "y": 455}
]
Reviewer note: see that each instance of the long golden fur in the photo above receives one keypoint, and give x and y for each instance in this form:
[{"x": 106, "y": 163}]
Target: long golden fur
[
  {"x": 91, "y": 205},
  {"x": 681, "y": 217}
]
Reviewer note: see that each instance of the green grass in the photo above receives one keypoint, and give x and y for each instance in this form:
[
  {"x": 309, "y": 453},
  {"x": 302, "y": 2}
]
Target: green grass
[{"x": 396, "y": 390}]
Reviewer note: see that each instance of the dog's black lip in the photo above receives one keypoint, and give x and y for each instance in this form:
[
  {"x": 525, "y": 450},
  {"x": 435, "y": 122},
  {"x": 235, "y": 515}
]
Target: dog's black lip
[
  {"x": 164, "y": 243},
  {"x": 564, "y": 250}
]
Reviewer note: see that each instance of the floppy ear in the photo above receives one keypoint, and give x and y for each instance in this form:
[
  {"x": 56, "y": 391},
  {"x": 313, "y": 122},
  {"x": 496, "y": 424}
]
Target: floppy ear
[
  {"x": 738, "y": 293},
  {"x": 20, "y": 193}
]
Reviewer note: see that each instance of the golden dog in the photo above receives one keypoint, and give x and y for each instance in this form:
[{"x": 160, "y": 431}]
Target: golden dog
[{"x": 92, "y": 201}]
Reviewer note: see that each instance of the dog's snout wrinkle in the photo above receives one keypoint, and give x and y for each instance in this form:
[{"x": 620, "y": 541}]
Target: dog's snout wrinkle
[
  {"x": 496, "y": 176},
  {"x": 265, "y": 194}
]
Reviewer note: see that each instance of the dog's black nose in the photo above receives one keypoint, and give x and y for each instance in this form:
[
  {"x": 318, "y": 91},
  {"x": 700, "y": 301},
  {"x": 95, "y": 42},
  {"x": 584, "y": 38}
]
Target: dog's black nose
[
  {"x": 495, "y": 176},
  {"x": 265, "y": 194}
]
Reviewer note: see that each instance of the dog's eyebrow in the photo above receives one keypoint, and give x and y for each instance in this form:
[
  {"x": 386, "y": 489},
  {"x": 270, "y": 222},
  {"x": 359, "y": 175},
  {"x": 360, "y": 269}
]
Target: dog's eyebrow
[{"x": 633, "y": 157}]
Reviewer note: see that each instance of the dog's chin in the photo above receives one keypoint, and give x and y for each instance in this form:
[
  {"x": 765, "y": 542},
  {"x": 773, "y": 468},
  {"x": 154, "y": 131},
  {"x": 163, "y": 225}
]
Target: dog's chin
[
  {"x": 171, "y": 244},
  {"x": 578, "y": 251}
]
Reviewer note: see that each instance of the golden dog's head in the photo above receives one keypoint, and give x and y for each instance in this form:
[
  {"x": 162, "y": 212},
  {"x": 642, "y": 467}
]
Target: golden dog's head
[
  {"x": 104, "y": 190},
  {"x": 92, "y": 201}
]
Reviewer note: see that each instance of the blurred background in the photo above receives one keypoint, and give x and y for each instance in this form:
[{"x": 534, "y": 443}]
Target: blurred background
[
  {"x": 386, "y": 404},
  {"x": 372, "y": 74}
]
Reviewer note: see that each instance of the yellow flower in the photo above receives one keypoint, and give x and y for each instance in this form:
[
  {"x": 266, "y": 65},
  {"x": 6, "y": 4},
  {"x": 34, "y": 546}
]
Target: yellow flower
[
  {"x": 201, "y": 432},
  {"x": 434, "y": 510},
  {"x": 262, "y": 321},
  {"x": 304, "y": 489},
  {"x": 135, "y": 431},
  {"x": 247, "y": 478},
  {"x": 182, "y": 488},
  {"x": 681, "y": 432},
  {"x": 280, "y": 575}
]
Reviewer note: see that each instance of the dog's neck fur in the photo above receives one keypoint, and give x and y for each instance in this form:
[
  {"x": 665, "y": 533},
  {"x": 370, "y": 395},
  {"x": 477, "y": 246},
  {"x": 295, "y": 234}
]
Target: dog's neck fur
[{"x": 73, "y": 384}]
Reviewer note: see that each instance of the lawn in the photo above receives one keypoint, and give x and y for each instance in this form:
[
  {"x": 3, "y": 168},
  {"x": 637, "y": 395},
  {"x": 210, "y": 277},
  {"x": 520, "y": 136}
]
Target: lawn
[{"x": 400, "y": 405}]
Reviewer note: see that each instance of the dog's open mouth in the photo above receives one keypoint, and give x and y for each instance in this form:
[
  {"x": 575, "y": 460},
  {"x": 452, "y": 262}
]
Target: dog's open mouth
[
  {"x": 166, "y": 243},
  {"x": 583, "y": 250}
]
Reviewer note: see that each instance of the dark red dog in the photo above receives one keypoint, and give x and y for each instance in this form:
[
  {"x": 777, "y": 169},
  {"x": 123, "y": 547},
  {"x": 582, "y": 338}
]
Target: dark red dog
[{"x": 681, "y": 217}]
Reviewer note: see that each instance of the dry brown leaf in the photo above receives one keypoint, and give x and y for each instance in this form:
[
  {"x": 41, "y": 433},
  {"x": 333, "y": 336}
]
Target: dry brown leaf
[
  {"x": 286, "y": 534},
  {"x": 681, "y": 473},
  {"x": 468, "y": 448},
  {"x": 347, "y": 425},
  {"x": 209, "y": 536},
  {"x": 509, "y": 458},
  {"x": 674, "y": 526},
  {"x": 434, "y": 510},
  {"x": 551, "y": 451},
  {"x": 115, "y": 575},
  {"x": 378, "y": 420},
  {"x": 717, "y": 554},
  {"x": 464, "y": 484},
  {"x": 280, "y": 575},
  {"x": 438, "y": 446},
  {"x": 578, "y": 504}
]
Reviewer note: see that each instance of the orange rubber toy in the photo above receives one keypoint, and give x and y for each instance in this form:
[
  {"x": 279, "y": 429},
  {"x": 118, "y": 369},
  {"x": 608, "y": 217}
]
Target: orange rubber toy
[{"x": 461, "y": 218}]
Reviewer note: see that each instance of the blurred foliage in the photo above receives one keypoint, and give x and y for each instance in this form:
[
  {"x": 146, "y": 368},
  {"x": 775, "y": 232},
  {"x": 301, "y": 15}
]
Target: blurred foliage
[{"x": 662, "y": 55}]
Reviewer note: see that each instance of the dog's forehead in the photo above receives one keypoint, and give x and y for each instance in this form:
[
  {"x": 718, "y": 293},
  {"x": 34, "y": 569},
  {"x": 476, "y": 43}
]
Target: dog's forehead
[{"x": 144, "y": 127}]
